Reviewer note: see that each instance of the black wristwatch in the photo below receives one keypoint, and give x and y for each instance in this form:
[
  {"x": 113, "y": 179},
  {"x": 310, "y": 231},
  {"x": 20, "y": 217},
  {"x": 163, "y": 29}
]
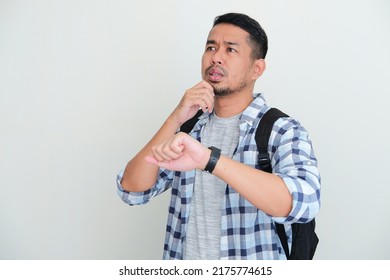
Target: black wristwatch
[{"x": 214, "y": 157}]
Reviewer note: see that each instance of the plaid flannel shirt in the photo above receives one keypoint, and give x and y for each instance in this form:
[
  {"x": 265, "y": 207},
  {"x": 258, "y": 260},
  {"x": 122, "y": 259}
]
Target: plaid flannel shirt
[{"x": 246, "y": 232}]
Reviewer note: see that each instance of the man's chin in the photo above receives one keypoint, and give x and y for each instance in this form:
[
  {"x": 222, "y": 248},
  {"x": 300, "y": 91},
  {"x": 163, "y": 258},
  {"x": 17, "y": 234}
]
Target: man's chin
[{"x": 221, "y": 91}]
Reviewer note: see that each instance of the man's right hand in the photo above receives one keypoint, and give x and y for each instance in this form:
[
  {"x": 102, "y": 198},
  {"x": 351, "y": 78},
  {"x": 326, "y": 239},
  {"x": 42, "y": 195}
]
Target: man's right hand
[{"x": 200, "y": 96}]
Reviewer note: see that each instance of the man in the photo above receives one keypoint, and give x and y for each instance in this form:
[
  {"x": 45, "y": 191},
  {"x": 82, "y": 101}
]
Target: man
[{"x": 222, "y": 207}]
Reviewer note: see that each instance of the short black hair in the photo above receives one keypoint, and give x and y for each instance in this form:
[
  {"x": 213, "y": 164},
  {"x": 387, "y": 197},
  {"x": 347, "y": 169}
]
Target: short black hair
[{"x": 257, "y": 36}]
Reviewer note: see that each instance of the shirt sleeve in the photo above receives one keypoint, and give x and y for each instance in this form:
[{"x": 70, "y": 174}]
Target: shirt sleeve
[
  {"x": 294, "y": 161},
  {"x": 163, "y": 183}
]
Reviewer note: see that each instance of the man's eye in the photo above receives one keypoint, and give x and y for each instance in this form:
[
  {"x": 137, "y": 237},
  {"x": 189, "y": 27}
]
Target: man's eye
[
  {"x": 210, "y": 48},
  {"x": 231, "y": 50}
]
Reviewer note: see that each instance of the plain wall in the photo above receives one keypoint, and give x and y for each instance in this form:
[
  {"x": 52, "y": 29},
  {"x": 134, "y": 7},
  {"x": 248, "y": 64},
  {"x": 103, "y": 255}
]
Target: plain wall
[{"x": 84, "y": 85}]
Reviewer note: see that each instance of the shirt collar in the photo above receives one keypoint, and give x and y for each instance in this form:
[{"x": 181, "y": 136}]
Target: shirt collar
[
  {"x": 252, "y": 112},
  {"x": 249, "y": 115}
]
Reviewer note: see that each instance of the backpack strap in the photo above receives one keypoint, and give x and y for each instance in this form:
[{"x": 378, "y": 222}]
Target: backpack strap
[
  {"x": 189, "y": 124},
  {"x": 262, "y": 135}
]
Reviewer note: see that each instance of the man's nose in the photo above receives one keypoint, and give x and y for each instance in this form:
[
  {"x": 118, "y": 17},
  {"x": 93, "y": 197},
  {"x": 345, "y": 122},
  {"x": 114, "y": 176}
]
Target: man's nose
[{"x": 217, "y": 59}]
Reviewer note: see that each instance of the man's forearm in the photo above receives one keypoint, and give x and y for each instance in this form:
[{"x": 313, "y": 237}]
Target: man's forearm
[
  {"x": 266, "y": 191},
  {"x": 140, "y": 175}
]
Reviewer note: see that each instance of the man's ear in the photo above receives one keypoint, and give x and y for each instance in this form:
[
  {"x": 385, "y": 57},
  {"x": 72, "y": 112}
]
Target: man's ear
[{"x": 258, "y": 68}]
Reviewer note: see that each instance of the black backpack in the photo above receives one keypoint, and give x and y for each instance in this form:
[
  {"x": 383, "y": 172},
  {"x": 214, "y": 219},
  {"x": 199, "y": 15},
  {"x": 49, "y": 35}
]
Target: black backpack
[{"x": 304, "y": 238}]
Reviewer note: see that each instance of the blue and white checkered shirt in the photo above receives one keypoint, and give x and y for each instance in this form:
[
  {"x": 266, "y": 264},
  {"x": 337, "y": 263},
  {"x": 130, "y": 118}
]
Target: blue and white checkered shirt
[{"x": 246, "y": 232}]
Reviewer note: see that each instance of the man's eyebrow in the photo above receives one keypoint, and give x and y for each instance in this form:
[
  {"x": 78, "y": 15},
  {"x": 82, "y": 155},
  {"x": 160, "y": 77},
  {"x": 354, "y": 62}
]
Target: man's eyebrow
[{"x": 213, "y": 42}]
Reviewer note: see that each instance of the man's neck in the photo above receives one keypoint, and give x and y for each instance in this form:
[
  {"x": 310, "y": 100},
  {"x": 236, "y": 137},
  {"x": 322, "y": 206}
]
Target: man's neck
[{"x": 232, "y": 104}]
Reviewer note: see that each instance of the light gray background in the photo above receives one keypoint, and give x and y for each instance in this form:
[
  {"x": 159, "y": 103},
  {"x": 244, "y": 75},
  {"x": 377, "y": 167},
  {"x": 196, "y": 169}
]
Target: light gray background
[{"x": 84, "y": 85}]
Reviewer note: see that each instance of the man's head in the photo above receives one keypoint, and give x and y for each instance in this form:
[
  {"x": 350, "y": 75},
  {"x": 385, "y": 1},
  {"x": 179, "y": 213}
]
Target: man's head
[
  {"x": 234, "y": 54},
  {"x": 257, "y": 36}
]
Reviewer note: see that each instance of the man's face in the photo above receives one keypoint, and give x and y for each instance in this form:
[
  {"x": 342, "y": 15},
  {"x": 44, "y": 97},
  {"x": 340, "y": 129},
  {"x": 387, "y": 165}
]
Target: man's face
[{"x": 227, "y": 62}]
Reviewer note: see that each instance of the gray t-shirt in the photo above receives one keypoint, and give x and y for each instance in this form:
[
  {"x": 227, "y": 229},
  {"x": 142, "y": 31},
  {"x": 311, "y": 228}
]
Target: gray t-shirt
[{"x": 203, "y": 234}]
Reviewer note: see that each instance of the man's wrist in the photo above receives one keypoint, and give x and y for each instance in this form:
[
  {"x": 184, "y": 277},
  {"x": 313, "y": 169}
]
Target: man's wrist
[{"x": 214, "y": 157}]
